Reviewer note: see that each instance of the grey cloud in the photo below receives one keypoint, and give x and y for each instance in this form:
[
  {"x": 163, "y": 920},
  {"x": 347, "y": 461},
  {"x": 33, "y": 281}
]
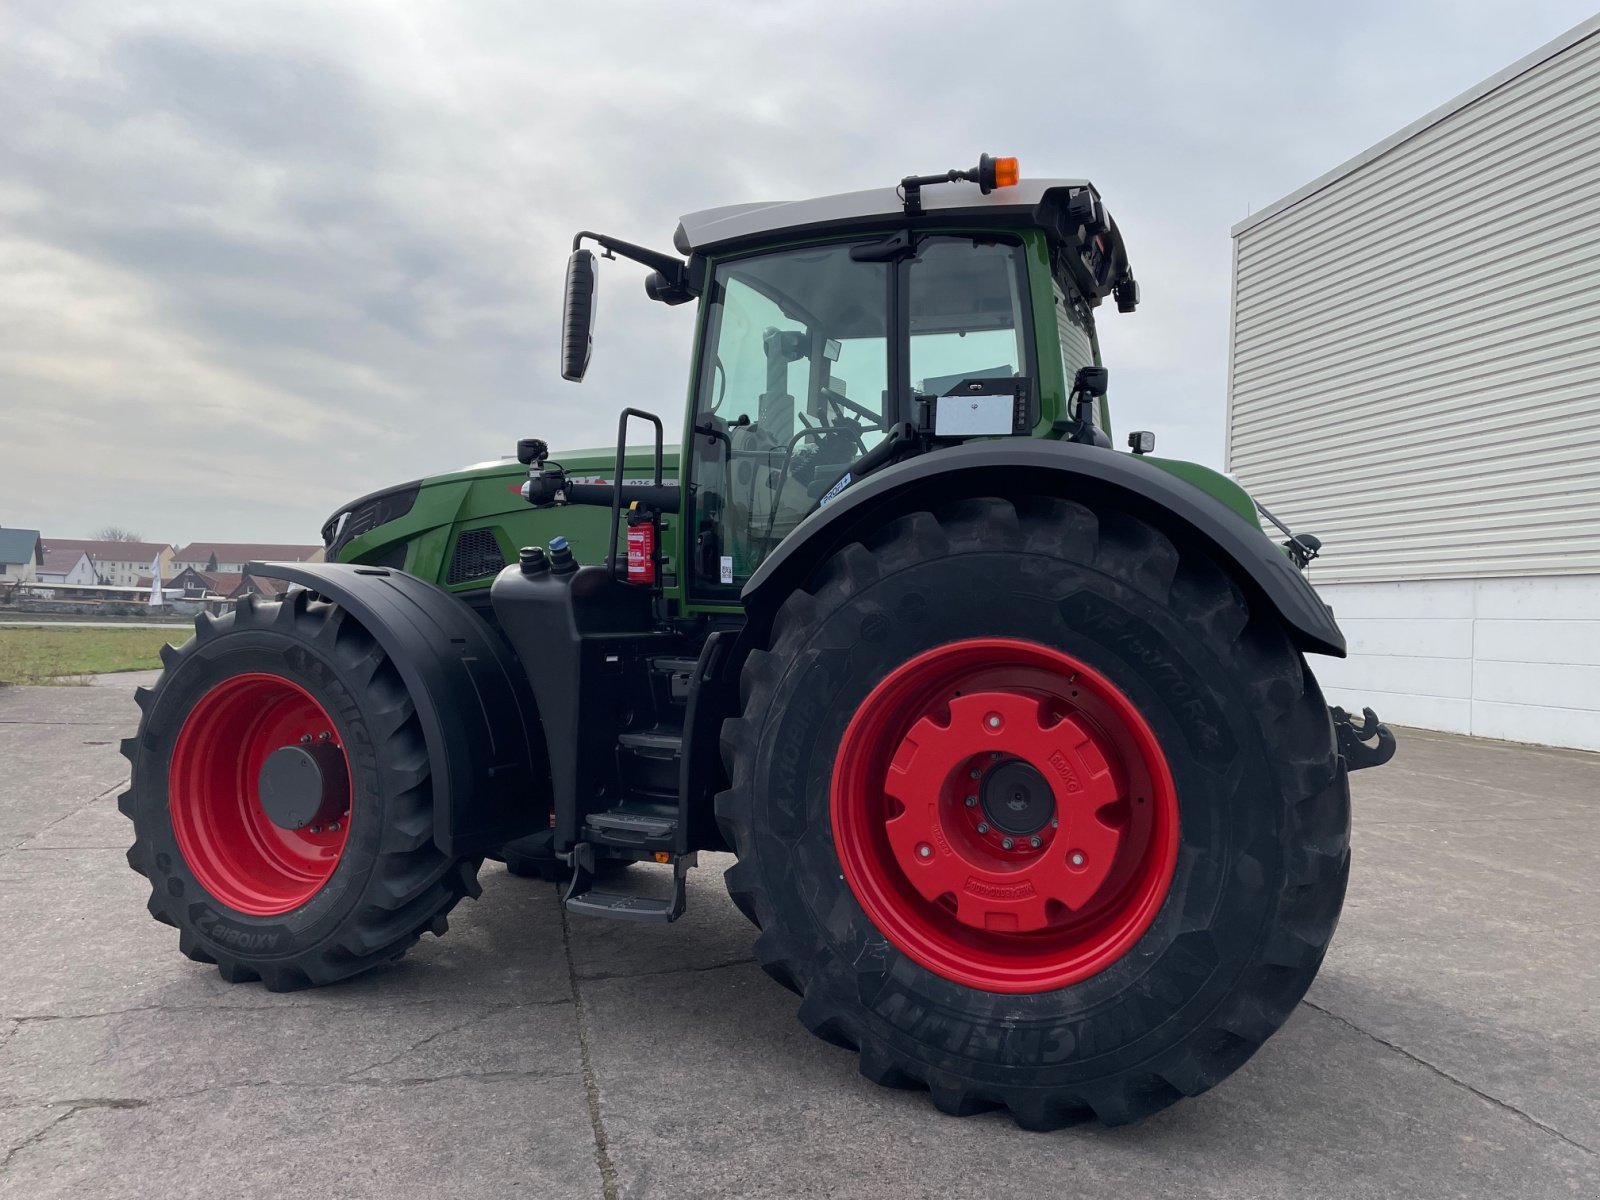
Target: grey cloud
[{"x": 293, "y": 251}]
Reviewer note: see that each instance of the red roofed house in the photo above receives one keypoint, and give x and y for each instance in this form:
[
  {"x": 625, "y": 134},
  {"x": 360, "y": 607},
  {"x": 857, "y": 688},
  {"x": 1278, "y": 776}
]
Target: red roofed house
[
  {"x": 117, "y": 563},
  {"x": 67, "y": 566},
  {"x": 231, "y": 557}
]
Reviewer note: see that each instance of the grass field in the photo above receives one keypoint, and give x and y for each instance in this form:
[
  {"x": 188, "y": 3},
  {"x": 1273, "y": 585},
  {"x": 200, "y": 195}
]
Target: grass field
[{"x": 29, "y": 655}]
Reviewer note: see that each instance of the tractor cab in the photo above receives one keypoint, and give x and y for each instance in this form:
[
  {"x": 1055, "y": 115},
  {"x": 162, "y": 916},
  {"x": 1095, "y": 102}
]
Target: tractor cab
[{"x": 841, "y": 334}]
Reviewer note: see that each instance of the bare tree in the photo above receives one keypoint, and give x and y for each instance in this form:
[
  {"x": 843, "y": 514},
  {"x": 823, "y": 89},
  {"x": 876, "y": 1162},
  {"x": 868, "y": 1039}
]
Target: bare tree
[{"x": 116, "y": 533}]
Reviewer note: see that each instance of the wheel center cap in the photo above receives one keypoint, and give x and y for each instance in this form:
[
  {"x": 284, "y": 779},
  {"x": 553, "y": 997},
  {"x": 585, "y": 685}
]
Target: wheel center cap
[
  {"x": 303, "y": 785},
  {"x": 1017, "y": 798}
]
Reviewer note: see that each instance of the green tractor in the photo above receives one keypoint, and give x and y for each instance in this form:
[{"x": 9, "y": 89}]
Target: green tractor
[{"x": 1033, "y": 798}]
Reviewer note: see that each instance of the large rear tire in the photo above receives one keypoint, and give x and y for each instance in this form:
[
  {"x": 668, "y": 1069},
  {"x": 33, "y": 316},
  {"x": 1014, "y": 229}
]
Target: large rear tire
[
  {"x": 1035, "y": 810},
  {"x": 281, "y": 799}
]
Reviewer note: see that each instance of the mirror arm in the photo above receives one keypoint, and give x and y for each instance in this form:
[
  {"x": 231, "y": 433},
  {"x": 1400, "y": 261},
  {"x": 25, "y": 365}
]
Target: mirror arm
[{"x": 675, "y": 269}]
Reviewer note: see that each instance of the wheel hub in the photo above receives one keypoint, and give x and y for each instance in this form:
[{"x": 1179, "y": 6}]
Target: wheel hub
[
  {"x": 1004, "y": 815},
  {"x": 1016, "y": 797},
  {"x": 304, "y": 785},
  {"x": 998, "y": 879}
]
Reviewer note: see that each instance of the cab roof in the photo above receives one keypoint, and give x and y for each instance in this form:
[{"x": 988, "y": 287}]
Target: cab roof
[
  {"x": 713, "y": 227},
  {"x": 1028, "y": 204}
]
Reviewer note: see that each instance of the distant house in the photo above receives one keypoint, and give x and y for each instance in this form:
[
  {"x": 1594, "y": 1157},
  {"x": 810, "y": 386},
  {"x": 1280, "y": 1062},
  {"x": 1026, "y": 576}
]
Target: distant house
[
  {"x": 21, "y": 555},
  {"x": 190, "y": 584},
  {"x": 233, "y": 557},
  {"x": 118, "y": 563},
  {"x": 67, "y": 566},
  {"x": 258, "y": 585}
]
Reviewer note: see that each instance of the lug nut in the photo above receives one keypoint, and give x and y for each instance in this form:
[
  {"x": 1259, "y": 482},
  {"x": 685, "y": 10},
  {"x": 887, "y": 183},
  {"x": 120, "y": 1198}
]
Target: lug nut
[
  {"x": 983, "y": 827},
  {"x": 974, "y": 773},
  {"x": 1006, "y": 843},
  {"x": 324, "y": 736},
  {"x": 972, "y": 802},
  {"x": 1036, "y": 841},
  {"x": 304, "y": 738},
  {"x": 993, "y": 720},
  {"x": 1077, "y": 858},
  {"x": 333, "y": 827},
  {"x": 316, "y": 829},
  {"x": 1055, "y": 822},
  {"x": 924, "y": 851}
]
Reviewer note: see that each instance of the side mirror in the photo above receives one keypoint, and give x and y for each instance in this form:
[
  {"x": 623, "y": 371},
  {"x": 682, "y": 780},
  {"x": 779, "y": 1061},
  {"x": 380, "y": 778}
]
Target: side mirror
[
  {"x": 577, "y": 316},
  {"x": 1092, "y": 381}
]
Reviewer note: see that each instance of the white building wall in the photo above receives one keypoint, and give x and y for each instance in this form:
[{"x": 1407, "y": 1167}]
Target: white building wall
[
  {"x": 1414, "y": 376},
  {"x": 1512, "y": 658},
  {"x": 1415, "y": 371}
]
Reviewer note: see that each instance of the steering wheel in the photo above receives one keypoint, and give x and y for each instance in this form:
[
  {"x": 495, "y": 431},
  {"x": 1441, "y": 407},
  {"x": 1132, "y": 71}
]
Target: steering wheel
[{"x": 845, "y": 405}]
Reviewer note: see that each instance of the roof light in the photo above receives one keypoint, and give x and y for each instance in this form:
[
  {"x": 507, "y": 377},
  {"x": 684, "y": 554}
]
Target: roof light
[
  {"x": 989, "y": 174},
  {"x": 996, "y": 172}
]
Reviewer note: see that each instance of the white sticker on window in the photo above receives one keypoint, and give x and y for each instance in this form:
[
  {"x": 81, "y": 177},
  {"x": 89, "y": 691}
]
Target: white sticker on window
[{"x": 727, "y": 568}]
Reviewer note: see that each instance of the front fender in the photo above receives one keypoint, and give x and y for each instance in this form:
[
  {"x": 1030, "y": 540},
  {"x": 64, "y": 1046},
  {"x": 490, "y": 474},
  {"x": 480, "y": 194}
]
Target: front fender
[
  {"x": 1012, "y": 469},
  {"x": 491, "y": 781}
]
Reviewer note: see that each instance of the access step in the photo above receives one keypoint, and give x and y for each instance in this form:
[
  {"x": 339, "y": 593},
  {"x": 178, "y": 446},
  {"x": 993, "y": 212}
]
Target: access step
[
  {"x": 637, "y": 827},
  {"x": 584, "y": 899},
  {"x": 678, "y": 673},
  {"x": 647, "y": 763}
]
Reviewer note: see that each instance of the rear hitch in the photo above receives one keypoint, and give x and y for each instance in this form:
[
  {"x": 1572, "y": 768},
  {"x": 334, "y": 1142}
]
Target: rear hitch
[{"x": 1354, "y": 739}]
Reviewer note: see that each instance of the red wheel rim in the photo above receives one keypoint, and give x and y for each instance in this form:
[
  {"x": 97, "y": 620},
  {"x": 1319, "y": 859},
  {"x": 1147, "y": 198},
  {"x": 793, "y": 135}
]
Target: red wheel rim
[
  {"x": 234, "y": 850},
  {"x": 1004, "y": 815}
]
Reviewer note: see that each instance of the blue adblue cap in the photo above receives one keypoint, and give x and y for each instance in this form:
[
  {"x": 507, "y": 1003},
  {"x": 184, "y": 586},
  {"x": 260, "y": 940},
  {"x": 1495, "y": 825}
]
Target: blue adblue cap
[{"x": 558, "y": 543}]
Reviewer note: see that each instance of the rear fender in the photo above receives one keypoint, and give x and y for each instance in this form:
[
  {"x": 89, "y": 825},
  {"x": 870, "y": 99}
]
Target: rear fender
[
  {"x": 486, "y": 750},
  {"x": 1017, "y": 468}
]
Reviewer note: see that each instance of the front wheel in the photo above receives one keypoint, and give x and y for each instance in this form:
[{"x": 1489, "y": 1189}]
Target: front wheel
[
  {"x": 282, "y": 799},
  {"x": 1035, "y": 811}
]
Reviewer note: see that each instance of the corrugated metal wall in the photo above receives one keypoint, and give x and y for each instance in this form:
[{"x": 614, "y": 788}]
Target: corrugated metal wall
[{"x": 1415, "y": 365}]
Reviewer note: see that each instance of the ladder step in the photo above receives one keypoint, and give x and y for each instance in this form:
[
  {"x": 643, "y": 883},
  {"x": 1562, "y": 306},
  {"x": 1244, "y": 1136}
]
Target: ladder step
[
  {"x": 618, "y": 907},
  {"x": 679, "y": 673},
  {"x": 582, "y": 898},
  {"x": 626, "y": 823},
  {"x": 670, "y": 665},
  {"x": 651, "y": 743}
]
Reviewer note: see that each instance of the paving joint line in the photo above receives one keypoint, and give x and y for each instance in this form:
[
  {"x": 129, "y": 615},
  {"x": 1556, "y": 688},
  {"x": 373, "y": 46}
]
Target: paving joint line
[
  {"x": 1461, "y": 1083},
  {"x": 604, "y": 976},
  {"x": 591, "y": 1086},
  {"x": 67, "y": 816},
  {"x": 76, "y": 1107}
]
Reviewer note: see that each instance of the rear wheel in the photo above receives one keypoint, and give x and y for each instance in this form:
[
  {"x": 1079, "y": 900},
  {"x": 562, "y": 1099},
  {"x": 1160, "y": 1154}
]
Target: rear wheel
[
  {"x": 1033, "y": 810},
  {"x": 281, "y": 799}
]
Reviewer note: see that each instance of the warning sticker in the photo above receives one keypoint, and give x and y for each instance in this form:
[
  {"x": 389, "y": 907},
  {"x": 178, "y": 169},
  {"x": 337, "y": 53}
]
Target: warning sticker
[{"x": 727, "y": 568}]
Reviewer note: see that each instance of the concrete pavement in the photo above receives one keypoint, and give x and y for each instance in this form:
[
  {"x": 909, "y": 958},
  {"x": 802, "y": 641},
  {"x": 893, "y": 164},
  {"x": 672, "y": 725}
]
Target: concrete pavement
[{"x": 1450, "y": 1047}]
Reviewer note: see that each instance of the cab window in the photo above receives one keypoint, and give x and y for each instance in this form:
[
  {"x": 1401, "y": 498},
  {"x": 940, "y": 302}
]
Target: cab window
[
  {"x": 967, "y": 315},
  {"x": 793, "y": 389}
]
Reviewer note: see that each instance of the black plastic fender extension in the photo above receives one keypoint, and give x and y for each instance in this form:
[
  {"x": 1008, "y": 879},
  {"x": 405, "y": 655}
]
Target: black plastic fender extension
[
  {"x": 490, "y": 775},
  {"x": 1008, "y": 467}
]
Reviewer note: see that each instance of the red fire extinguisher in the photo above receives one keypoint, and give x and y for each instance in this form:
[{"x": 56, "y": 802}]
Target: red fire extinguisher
[{"x": 641, "y": 546}]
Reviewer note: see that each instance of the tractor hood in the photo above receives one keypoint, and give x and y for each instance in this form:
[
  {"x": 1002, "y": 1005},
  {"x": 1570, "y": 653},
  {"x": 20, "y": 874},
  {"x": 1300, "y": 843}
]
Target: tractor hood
[{"x": 454, "y": 527}]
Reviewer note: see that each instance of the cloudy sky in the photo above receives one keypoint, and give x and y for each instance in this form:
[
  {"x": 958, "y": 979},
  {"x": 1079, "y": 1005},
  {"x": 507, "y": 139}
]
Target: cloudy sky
[{"x": 258, "y": 258}]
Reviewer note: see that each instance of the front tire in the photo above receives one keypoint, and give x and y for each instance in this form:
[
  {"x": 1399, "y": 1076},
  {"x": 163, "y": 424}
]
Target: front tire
[
  {"x": 1137, "y": 950},
  {"x": 292, "y": 896}
]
